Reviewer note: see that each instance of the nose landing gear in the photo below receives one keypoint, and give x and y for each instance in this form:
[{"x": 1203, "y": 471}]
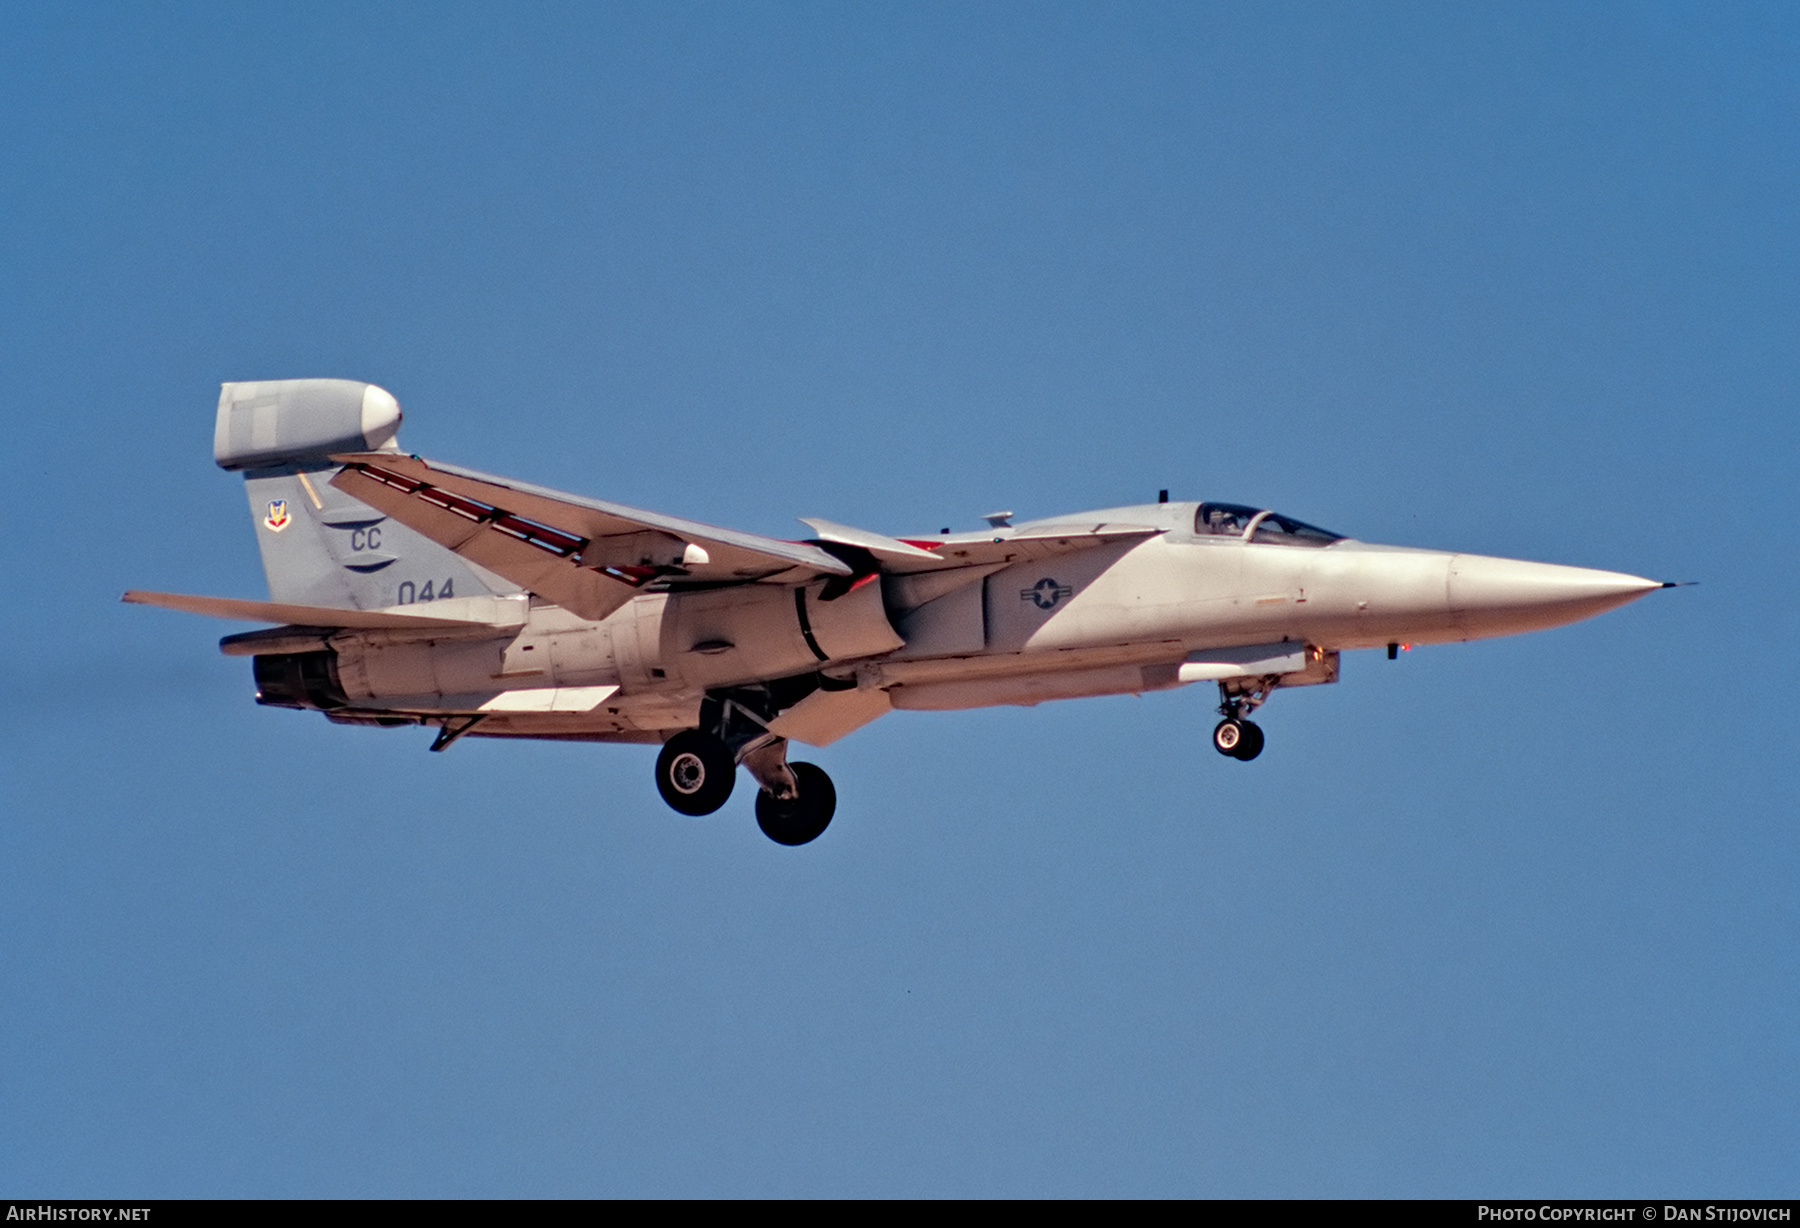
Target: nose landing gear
[{"x": 1237, "y": 736}]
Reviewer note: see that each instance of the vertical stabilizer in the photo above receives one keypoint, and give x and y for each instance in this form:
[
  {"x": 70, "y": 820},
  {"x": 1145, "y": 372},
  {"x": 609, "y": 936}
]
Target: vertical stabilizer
[{"x": 319, "y": 546}]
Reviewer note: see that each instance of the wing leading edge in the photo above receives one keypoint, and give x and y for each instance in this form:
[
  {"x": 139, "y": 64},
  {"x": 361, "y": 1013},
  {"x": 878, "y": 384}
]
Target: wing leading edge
[{"x": 586, "y": 555}]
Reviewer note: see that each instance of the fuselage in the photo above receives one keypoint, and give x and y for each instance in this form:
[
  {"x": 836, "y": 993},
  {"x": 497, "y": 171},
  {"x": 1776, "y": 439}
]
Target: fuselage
[{"x": 1118, "y": 617}]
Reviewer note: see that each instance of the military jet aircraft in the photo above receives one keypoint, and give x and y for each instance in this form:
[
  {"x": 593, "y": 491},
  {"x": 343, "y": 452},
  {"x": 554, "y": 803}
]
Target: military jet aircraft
[{"x": 409, "y": 592}]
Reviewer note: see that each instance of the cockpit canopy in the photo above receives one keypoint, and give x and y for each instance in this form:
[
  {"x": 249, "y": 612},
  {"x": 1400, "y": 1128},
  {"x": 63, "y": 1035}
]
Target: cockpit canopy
[{"x": 1234, "y": 519}]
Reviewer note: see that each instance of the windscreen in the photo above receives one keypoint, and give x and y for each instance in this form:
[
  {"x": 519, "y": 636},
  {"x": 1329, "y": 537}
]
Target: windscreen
[
  {"x": 1232, "y": 519},
  {"x": 1286, "y": 531}
]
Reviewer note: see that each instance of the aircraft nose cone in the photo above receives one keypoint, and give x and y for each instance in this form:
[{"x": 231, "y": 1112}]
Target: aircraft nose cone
[{"x": 1491, "y": 596}]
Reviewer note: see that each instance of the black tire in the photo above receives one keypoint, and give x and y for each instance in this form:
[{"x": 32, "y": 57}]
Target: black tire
[
  {"x": 695, "y": 772},
  {"x": 803, "y": 817},
  {"x": 1228, "y": 734},
  {"x": 1250, "y": 745}
]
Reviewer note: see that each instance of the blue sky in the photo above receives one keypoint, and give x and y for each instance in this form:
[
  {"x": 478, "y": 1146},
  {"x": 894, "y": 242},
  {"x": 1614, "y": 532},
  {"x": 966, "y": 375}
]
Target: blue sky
[{"x": 1508, "y": 918}]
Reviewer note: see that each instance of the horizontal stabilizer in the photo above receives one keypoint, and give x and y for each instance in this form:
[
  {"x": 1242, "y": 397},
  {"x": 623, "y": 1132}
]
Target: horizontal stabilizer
[
  {"x": 456, "y": 612},
  {"x": 586, "y": 555}
]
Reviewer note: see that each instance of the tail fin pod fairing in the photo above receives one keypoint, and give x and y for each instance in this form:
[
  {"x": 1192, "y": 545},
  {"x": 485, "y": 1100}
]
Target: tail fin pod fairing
[{"x": 320, "y": 546}]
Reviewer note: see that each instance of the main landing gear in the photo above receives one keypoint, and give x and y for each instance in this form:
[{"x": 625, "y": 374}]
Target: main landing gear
[
  {"x": 803, "y": 816},
  {"x": 695, "y": 772},
  {"x": 698, "y": 767},
  {"x": 1237, "y": 735},
  {"x": 695, "y": 775}
]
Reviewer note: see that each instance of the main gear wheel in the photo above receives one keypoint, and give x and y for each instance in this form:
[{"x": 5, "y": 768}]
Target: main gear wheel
[{"x": 695, "y": 772}]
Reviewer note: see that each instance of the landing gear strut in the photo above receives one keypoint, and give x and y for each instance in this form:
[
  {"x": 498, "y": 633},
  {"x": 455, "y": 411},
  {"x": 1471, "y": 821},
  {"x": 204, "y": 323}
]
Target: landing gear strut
[{"x": 1237, "y": 735}]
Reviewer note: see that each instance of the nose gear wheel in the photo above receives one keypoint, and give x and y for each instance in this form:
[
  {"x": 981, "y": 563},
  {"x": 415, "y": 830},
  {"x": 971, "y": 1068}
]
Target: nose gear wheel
[{"x": 1238, "y": 738}]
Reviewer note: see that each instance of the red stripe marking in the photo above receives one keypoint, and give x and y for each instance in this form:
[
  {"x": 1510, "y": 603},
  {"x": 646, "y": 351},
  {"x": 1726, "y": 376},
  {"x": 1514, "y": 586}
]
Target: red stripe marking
[
  {"x": 555, "y": 541},
  {"x": 634, "y": 575}
]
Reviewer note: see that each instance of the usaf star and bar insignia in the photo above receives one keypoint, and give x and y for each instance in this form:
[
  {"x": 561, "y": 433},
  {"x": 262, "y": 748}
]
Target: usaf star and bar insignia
[{"x": 1045, "y": 593}]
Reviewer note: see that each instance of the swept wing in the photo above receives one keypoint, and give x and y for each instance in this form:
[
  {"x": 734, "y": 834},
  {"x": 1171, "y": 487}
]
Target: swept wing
[{"x": 586, "y": 555}]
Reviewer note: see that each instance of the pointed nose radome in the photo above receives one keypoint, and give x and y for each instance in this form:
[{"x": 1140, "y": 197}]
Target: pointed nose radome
[{"x": 1505, "y": 596}]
